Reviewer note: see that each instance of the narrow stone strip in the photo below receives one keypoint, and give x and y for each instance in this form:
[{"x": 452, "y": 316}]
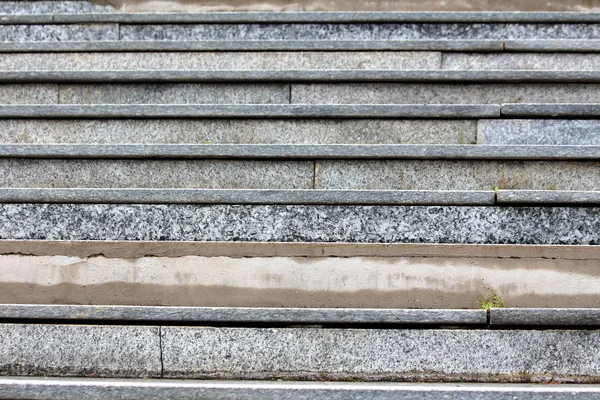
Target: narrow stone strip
[
  {"x": 545, "y": 316},
  {"x": 253, "y": 45},
  {"x": 249, "y": 111},
  {"x": 551, "y": 110},
  {"x": 132, "y": 389},
  {"x": 547, "y": 197},
  {"x": 553, "y": 45},
  {"x": 244, "y": 315},
  {"x": 246, "y": 196}
]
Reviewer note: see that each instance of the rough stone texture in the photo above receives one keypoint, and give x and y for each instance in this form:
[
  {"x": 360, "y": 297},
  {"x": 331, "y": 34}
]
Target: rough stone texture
[
  {"x": 220, "y": 61},
  {"x": 551, "y": 110},
  {"x": 382, "y": 31},
  {"x": 521, "y": 61},
  {"x": 302, "y": 131},
  {"x": 217, "y": 174},
  {"x": 47, "y": 7},
  {"x": 541, "y": 45},
  {"x": 538, "y": 132},
  {"x": 28, "y": 94},
  {"x": 174, "y": 94},
  {"x": 79, "y": 350},
  {"x": 457, "y": 175},
  {"x": 440, "y": 355},
  {"x": 548, "y": 197},
  {"x": 434, "y": 93},
  {"x": 58, "y": 33},
  {"x": 545, "y": 316},
  {"x": 368, "y": 224}
]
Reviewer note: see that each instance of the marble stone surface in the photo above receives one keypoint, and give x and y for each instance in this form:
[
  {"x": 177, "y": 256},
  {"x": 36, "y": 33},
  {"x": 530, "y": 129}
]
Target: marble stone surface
[
  {"x": 80, "y": 350},
  {"x": 457, "y": 175},
  {"x": 47, "y": 7},
  {"x": 355, "y": 224},
  {"x": 29, "y": 93},
  {"x": 220, "y": 61},
  {"x": 215, "y": 174},
  {"x": 522, "y": 61},
  {"x": 58, "y": 33},
  {"x": 440, "y": 355},
  {"x": 251, "y": 131},
  {"x": 538, "y": 132},
  {"x": 174, "y": 94},
  {"x": 436, "y": 93},
  {"x": 381, "y": 31}
]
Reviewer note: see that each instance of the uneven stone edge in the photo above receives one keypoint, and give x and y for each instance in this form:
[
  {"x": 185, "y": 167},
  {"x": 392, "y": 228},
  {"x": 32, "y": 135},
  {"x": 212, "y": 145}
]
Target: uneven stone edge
[
  {"x": 545, "y": 317},
  {"x": 547, "y": 197}
]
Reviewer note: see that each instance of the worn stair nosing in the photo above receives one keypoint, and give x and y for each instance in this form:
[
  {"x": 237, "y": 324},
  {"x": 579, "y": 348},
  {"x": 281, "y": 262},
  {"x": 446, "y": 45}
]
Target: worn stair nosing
[
  {"x": 543, "y": 197},
  {"x": 545, "y": 317},
  {"x": 551, "y": 110}
]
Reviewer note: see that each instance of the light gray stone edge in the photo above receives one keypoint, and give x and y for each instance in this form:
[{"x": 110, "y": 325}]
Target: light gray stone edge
[
  {"x": 301, "y": 75},
  {"x": 246, "y": 196},
  {"x": 249, "y": 45},
  {"x": 244, "y": 315},
  {"x": 547, "y": 197},
  {"x": 302, "y": 151},
  {"x": 323, "y": 17},
  {"x": 551, "y": 110},
  {"x": 133, "y": 389},
  {"x": 250, "y": 111},
  {"x": 557, "y": 45},
  {"x": 545, "y": 316}
]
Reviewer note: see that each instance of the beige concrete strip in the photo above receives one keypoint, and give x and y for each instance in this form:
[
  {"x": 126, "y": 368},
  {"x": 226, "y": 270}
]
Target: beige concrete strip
[{"x": 123, "y": 249}]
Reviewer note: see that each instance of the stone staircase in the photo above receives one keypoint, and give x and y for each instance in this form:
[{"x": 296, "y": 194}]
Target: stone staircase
[{"x": 298, "y": 205}]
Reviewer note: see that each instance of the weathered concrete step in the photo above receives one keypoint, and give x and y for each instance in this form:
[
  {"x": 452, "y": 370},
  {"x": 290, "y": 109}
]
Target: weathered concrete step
[
  {"x": 300, "y": 353},
  {"x": 100, "y": 389},
  {"x": 230, "y": 111},
  {"x": 551, "y": 110},
  {"x": 247, "y": 196},
  {"x": 278, "y": 223},
  {"x": 246, "y": 315},
  {"x": 545, "y": 317},
  {"x": 325, "y": 74},
  {"x": 291, "y": 151}
]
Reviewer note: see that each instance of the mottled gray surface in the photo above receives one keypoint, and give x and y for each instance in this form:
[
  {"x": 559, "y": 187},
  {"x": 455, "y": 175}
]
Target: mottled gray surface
[
  {"x": 72, "y": 350},
  {"x": 101, "y": 389},
  {"x": 457, "y": 175},
  {"x": 441, "y": 355},
  {"x": 217, "y": 174},
  {"x": 28, "y": 94},
  {"x": 253, "y": 315},
  {"x": 521, "y": 61},
  {"x": 246, "y": 196},
  {"x": 52, "y": 6},
  {"x": 548, "y": 197},
  {"x": 541, "y": 45},
  {"x": 382, "y": 31},
  {"x": 435, "y": 93},
  {"x": 273, "y": 111},
  {"x": 174, "y": 94},
  {"x": 220, "y": 61},
  {"x": 367, "y": 224},
  {"x": 301, "y": 131},
  {"x": 545, "y": 316},
  {"x": 58, "y": 33},
  {"x": 551, "y": 110},
  {"x": 538, "y": 132}
]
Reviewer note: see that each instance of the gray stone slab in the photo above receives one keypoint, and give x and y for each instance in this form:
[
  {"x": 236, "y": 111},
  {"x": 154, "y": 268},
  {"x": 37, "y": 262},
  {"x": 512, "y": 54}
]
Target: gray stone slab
[
  {"x": 548, "y": 197},
  {"x": 356, "y": 31},
  {"x": 301, "y": 151},
  {"x": 252, "y": 111},
  {"x": 29, "y": 93},
  {"x": 145, "y": 65},
  {"x": 551, "y": 110},
  {"x": 253, "y": 45},
  {"x": 527, "y": 62},
  {"x": 251, "y": 315},
  {"x": 423, "y": 355},
  {"x": 538, "y": 132},
  {"x": 211, "y": 131},
  {"x": 545, "y": 316},
  {"x": 131, "y": 389},
  {"x": 174, "y": 94},
  {"x": 52, "y": 6},
  {"x": 457, "y": 175},
  {"x": 246, "y": 196},
  {"x": 80, "y": 350},
  {"x": 558, "y": 45},
  {"x": 214, "y": 174},
  {"x": 444, "y": 93},
  {"x": 56, "y": 33},
  {"x": 352, "y": 224}
]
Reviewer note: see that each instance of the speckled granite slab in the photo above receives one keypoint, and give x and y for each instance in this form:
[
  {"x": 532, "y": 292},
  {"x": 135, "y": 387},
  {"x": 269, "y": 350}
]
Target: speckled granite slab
[
  {"x": 367, "y": 224},
  {"x": 538, "y": 132},
  {"x": 47, "y": 7}
]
